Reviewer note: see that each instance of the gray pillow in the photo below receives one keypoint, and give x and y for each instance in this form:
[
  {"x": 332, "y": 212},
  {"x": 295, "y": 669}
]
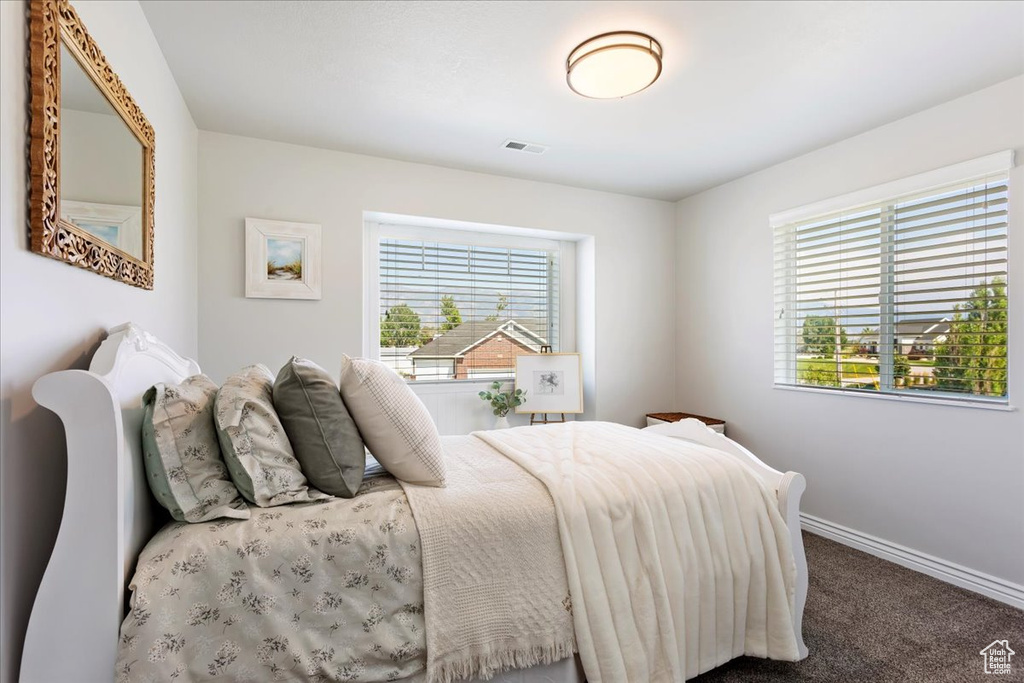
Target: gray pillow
[
  {"x": 324, "y": 437},
  {"x": 255, "y": 446},
  {"x": 182, "y": 456}
]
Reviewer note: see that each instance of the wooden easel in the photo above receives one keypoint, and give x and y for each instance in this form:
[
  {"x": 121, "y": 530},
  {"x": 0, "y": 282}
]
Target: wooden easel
[{"x": 534, "y": 420}]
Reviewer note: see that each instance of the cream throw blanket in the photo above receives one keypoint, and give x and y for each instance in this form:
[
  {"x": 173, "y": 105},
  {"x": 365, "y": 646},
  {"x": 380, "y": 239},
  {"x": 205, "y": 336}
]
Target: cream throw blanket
[
  {"x": 495, "y": 594},
  {"x": 677, "y": 557}
]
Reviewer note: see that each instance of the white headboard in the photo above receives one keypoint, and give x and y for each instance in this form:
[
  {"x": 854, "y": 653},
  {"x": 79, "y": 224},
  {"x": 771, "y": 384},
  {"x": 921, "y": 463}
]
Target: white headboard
[{"x": 108, "y": 509}]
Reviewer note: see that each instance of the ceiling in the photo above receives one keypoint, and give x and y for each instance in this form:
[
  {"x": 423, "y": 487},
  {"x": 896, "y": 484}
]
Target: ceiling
[{"x": 745, "y": 85}]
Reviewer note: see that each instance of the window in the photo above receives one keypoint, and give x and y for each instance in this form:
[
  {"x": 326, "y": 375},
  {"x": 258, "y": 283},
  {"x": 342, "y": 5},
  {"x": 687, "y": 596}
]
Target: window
[
  {"x": 454, "y": 305},
  {"x": 900, "y": 289}
]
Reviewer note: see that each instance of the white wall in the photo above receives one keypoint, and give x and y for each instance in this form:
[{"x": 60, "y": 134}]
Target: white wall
[
  {"x": 633, "y": 247},
  {"x": 87, "y": 136},
  {"x": 54, "y": 315},
  {"x": 947, "y": 481}
]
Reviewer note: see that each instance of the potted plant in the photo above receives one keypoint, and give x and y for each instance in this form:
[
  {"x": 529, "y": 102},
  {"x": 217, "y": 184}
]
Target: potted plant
[{"x": 502, "y": 402}]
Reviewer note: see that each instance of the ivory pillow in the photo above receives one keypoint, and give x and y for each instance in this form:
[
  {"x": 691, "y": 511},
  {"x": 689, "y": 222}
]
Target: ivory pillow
[
  {"x": 182, "y": 457},
  {"x": 393, "y": 421},
  {"x": 255, "y": 447}
]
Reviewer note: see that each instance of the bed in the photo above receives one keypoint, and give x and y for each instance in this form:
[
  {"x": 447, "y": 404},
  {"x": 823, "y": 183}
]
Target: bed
[{"x": 109, "y": 537}]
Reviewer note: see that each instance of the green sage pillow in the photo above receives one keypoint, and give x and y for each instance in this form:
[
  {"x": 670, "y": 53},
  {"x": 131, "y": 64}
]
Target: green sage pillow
[
  {"x": 255, "y": 446},
  {"x": 322, "y": 433},
  {"x": 182, "y": 455}
]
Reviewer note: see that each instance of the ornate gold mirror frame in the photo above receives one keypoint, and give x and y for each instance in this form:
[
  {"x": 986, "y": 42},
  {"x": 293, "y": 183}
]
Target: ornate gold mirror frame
[{"x": 51, "y": 23}]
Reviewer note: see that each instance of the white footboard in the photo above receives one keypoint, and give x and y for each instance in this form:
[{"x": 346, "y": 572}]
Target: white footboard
[{"x": 789, "y": 487}]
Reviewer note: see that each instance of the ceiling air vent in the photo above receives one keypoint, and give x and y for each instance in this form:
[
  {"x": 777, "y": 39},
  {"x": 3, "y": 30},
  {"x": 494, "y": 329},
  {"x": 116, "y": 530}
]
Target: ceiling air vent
[{"x": 528, "y": 147}]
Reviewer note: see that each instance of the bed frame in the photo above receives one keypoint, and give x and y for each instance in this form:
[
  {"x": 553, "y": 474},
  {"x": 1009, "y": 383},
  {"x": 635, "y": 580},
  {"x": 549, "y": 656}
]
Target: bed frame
[{"x": 109, "y": 514}]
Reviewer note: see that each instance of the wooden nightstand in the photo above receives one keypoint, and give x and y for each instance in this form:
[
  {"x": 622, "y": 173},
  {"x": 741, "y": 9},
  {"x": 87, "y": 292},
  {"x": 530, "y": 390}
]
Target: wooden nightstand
[{"x": 662, "y": 418}]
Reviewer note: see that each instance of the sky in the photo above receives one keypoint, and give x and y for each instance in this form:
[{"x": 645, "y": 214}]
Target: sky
[
  {"x": 419, "y": 273},
  {"x": 943, "y": 249},
  {"x": 107, "y": 233},
  {"x": 281, "y": 252}
]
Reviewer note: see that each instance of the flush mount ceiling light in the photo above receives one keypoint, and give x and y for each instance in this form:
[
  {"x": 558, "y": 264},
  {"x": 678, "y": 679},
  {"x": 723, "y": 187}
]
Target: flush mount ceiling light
[{"x": 613, "y": 65}]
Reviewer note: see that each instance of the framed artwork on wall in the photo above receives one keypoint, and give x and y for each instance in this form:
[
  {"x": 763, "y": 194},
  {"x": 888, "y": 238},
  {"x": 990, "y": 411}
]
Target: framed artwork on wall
[
  {"x": 117, "y": 225},
  {"x": 282, "y": 259},
  {"x": 553, "y": 382}
]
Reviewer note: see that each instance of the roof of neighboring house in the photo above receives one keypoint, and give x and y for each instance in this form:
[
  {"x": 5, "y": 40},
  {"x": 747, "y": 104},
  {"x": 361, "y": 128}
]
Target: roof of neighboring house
[
  {"x": 460, "y": 339},
  {"x": 929, "y": 328}
]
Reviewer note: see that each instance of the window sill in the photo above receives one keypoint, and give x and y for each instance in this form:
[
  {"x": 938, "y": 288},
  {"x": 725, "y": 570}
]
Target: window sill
[
  {"x": 902, "y": 398},
  {"x": 454, "y": 386}
]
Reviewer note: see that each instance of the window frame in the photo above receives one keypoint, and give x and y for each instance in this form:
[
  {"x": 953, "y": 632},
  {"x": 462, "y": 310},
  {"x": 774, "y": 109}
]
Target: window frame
[
  {"x": 885, "y": 196},
  {"x": 456, "y": 232}
]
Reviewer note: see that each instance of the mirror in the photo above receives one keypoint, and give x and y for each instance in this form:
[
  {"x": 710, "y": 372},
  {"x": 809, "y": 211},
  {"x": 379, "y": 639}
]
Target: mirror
[
  {"x": 91, "y": 154},
  {"x": 100, "y": 163}
]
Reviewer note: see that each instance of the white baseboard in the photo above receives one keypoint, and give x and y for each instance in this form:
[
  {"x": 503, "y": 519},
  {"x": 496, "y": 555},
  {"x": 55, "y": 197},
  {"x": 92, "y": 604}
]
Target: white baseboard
[{"x": 958, "y": 575}]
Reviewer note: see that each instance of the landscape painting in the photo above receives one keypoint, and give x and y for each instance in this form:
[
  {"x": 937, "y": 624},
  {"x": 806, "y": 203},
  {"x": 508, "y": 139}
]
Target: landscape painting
[
  {"x": 108, "y": 232},
  {"x": 118, "y": 225},
  {"x": 284, "y": 259}
]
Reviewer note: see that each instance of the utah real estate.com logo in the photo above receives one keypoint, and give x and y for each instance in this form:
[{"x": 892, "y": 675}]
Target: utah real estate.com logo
[{"x": 997, "y": 657}]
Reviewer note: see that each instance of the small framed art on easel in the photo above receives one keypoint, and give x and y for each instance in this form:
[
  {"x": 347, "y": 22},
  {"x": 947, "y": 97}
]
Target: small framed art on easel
[{"x": 554, "y": 382}]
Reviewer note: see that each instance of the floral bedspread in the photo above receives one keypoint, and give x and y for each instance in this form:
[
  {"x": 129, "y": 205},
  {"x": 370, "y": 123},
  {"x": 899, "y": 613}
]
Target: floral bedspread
[{"x": 327, "y": 591}]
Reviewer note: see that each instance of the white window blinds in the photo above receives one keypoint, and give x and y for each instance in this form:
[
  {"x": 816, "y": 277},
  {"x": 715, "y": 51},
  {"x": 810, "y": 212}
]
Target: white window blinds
[
  {"x": 905, "y": 295},
  {"x": 454, "y": 310}
]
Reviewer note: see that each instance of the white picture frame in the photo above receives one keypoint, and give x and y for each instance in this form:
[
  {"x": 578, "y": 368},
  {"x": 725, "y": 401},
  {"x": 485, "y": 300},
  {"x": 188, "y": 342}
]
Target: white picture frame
[
  {"x": 553, "y": 382},
  {"x": 119, "y": 225},
  {"x": 282, "y": 259}
]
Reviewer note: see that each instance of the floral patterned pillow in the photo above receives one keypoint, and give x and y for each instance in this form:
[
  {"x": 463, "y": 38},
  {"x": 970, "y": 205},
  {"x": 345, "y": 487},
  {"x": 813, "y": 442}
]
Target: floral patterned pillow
[
  {"x": 255, "y": 446},
  {"x": 179, "y": 444}
]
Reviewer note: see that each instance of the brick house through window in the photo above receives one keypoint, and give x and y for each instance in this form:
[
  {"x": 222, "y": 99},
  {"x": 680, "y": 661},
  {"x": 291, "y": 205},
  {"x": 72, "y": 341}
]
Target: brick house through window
[{"x": 475, "y": 350}]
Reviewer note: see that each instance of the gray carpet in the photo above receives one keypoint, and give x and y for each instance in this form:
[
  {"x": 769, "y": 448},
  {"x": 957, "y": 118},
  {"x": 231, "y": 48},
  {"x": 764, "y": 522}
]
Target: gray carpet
[{"x": 870, "y": 620}]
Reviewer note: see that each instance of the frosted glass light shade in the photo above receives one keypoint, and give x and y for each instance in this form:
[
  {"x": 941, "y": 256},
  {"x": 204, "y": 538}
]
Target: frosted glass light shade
[{"x": 613, "y": 65}]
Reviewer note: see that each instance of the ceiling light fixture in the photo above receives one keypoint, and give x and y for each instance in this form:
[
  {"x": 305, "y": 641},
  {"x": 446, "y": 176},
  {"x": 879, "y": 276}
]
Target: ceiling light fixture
[{"x": 613, "y": 65}]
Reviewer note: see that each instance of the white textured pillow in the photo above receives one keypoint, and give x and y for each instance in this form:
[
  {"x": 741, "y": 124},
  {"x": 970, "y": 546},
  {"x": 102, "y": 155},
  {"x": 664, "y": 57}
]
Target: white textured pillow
[{"x": 393, "y": 422}]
